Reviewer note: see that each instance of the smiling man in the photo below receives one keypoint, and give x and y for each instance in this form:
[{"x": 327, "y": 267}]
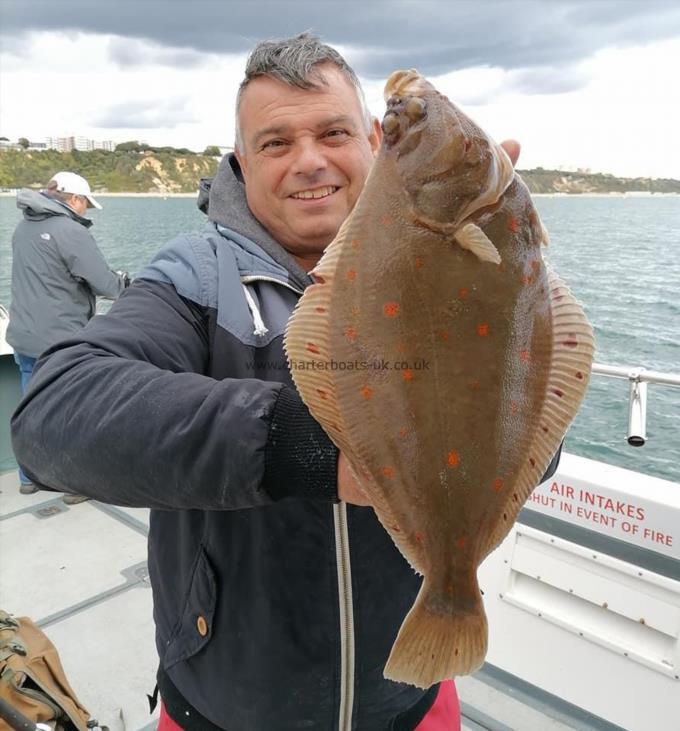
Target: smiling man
[
  {"x": 277, "y": 594},
  {"x": 304, "y": 156}
]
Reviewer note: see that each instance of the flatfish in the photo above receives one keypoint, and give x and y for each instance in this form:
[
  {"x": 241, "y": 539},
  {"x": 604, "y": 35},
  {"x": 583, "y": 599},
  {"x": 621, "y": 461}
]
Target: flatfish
[{"x": 443, "y": 358}]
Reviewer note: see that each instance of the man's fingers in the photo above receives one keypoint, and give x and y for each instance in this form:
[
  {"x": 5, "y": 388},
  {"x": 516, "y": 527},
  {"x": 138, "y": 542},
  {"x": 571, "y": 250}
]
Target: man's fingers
[{"x": 512, "y": 147}]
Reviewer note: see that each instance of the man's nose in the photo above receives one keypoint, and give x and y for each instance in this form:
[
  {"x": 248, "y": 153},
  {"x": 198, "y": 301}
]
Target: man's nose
[{"x": 310, "y": 158}]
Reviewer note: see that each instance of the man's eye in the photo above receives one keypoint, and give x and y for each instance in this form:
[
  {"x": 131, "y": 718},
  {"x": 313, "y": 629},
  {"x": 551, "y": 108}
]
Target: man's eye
[
  {"x": 337, "y": 133},
  {"x": 273, "y": 144}
]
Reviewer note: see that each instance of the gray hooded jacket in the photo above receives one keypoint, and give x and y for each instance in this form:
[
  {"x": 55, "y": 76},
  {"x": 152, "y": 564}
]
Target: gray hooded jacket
[{"x": 57, "y": 272}]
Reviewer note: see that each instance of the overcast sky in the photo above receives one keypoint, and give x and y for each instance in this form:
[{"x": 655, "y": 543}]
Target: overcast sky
[{"x": 582, "y": 84}]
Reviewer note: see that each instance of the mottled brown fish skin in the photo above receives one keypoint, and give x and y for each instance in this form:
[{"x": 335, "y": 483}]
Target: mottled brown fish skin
[{"x": 451, "y": 438}]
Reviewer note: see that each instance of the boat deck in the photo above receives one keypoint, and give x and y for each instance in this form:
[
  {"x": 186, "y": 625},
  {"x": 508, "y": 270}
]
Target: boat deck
[{"x": 80, "y": 572}]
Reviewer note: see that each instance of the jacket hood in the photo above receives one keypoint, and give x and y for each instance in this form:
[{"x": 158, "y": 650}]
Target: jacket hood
[
  {"x": 223, "y": 199},
  {"x": 37, "y": 206}
]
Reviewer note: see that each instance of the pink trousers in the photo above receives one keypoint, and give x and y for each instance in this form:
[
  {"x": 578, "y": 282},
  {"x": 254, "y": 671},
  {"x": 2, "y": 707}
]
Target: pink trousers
[{"x": 443, "y": 716}]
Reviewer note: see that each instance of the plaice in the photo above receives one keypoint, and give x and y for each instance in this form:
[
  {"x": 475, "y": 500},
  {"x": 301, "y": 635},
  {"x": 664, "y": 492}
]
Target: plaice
[{"x": 469, "y": 361}]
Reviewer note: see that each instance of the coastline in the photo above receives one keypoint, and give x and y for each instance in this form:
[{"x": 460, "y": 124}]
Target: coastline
[
  {"x": 12, "y": 193},
  {"x": 613, "y": 194}
]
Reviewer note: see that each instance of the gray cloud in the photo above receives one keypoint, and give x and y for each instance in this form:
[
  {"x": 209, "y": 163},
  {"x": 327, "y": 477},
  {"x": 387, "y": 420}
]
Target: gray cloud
[
  {"x": 545, "y": 80},
  {"x": 145, "y": 115},
  {"x": 131, "y": 52},
  {"x": 435, "y": 36}
]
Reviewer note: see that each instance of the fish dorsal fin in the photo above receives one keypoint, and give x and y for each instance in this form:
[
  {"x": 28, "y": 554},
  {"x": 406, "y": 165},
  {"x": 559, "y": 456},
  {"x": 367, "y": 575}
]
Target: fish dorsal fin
[
  {"x": 572, "y": 356},
  {"x": 472, "y": 238},
  {"x": 307, "y": 341}
]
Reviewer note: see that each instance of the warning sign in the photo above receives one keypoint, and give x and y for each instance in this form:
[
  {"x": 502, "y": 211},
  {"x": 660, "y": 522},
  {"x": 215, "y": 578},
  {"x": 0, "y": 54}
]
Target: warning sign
[{"x": 639, "y": 521}]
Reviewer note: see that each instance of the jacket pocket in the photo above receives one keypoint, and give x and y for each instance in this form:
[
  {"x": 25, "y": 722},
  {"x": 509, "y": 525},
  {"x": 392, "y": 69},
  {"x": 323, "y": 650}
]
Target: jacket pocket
[{"x": 195, "y": 626}]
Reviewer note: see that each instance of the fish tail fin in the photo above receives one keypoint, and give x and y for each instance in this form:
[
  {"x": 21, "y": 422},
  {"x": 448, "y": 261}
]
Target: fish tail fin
[{"x": 442, "y": 636}]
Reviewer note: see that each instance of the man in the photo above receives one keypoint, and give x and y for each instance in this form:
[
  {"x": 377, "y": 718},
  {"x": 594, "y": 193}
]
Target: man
[
  {"x": 276, "y": 595},
  {"x": 57, "y": 271}
]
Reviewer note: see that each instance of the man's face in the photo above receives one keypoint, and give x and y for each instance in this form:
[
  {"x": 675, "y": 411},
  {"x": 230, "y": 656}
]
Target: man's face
[
  {"x": 305, "y": 157},
  {"x": 79, "y": 204}
]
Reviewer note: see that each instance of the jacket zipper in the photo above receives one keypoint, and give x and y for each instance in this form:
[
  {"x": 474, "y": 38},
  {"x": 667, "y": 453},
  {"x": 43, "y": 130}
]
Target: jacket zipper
[
  {"x": 344, "y": 582},
  {"x": 346, "y": 618}
]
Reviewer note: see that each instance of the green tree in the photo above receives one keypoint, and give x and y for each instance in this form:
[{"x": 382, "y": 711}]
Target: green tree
[
  {"x": 131, "y": 146},
  {"x": 23, "y": 141},
  {"x": 212, "y": 151}
]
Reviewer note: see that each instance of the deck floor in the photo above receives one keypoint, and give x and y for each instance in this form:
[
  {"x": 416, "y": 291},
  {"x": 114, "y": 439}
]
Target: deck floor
[{"x": 80, "y": 572}]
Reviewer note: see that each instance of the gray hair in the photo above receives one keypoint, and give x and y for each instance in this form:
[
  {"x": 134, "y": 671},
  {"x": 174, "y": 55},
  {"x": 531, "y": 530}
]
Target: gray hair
[
  {"x": 293, "y": 61},
  {"x": 54, "y": 192}
]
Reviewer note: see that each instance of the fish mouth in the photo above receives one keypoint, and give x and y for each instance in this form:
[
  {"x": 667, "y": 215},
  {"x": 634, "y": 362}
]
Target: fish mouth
[
  {"x": 406, "y": 83},
  {"x": 315, "y": 193}
]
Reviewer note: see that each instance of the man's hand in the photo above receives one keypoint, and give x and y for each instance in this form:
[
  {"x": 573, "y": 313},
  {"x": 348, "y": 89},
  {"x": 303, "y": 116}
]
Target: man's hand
[
  {"x": 348, "y": 488},
  {"x": 512, "y": 147}
]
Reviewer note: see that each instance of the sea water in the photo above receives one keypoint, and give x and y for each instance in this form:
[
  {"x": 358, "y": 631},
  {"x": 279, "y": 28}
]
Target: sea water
[{"x": 619, "y": 255}]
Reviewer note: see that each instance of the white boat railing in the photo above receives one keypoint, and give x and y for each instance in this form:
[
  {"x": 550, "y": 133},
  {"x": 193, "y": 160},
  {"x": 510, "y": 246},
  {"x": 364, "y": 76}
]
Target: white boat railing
[{"x": 638, "y": 379}]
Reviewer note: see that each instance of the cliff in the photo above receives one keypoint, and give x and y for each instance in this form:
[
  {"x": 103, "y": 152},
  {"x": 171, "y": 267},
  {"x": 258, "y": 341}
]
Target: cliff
[{"x": 176, "y": 172}]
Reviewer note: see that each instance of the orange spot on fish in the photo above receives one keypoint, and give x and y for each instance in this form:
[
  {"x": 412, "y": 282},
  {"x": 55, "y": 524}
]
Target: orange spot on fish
[
  {"x": 463, "y": 293},
  {"x": 514, "y": 407},
  {"x": 513, "y": 225},
  {"x": 498, "y": 484},
  {"x": 461, "y": 542},
  {"x": 391, "y": 309},
  {"x": 525, "y": 355},
  {"x": 388, "y": 472},
  {"x": 545, "y": 429},
  {"x": 579, "y": 375},
  {"x": 352, "y": 275},
  {"x": 366, "y": 392},
  {"x": 532, "y": 461},
  {"x": 407, "y": 374},
  {"x": 527, "y": 280},
  {"x": 350, "y": 334},
  {"x": 443, "y": 335},
  {"x": 312, "y": 348},
  {"x": 320, "y": 310},
  {"x": 419, "y": 536},
  {"x": 386, "y": 220},
  {"x": 355, "y": 243},
  {"x": 483, "y": 329},
  {"x": 419, "y": 262},
  {"x": 452, "y": 459},
  {"x": 535, "y": 265}
]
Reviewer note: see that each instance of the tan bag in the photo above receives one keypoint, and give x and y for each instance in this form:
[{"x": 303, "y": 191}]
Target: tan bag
[{"x": 32, "y": 680}]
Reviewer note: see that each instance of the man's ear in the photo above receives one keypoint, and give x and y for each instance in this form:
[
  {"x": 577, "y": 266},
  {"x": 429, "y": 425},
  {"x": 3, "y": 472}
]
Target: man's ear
[
  {"x": 242, "y": 162},
  {"x": 376, "y": 135}
]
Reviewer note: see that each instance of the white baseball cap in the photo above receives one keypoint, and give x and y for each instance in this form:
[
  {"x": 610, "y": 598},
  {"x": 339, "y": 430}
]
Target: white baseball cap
[{"x": 76, "y": 185}]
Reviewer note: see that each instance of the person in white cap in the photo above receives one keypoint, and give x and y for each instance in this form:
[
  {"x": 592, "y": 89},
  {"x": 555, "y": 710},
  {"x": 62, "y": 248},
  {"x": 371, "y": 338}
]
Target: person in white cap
[{"x": 57, "y": 273}]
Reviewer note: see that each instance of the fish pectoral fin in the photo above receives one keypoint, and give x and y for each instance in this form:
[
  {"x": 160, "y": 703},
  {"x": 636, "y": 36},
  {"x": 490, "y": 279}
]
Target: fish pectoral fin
[
  {"x": 472, "y": 238},
  {"x": 545, "y": 238}
]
